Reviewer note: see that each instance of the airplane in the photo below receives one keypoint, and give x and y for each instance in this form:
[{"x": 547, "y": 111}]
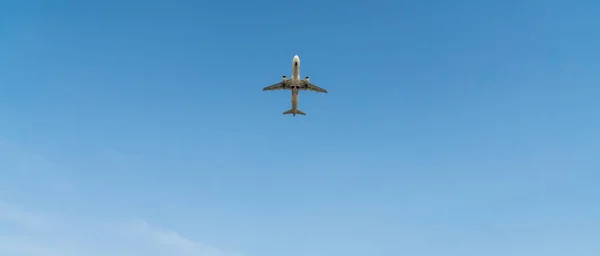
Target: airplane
[{"x": 295, "y": 84}]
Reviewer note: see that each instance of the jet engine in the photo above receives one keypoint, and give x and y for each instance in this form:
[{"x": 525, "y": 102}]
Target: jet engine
[
  {"x": 283, "y": 79},
  {"x": 306, "y": 79}
]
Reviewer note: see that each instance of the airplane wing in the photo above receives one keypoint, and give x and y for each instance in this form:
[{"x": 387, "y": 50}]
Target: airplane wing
[
  {"x": 312, "y": 87},
  {"x": 278, "y": 86}
]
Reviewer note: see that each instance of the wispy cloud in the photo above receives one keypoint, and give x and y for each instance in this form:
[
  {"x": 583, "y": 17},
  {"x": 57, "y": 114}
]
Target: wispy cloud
[
  {"x": 33, "y": 231},
  {"x": 26, "y": 171},
  {"x": 38, "y": 234}
]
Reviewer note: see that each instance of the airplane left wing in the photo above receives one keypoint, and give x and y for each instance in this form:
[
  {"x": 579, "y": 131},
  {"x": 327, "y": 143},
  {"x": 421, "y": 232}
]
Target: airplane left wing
[
  {"x": 312, "y": 87},
  {"x": 278, "y": 86}
]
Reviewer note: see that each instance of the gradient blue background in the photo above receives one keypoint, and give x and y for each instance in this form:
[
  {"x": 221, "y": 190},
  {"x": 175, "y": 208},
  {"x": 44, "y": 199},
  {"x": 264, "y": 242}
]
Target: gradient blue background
[{"x": 450, "y": 127}]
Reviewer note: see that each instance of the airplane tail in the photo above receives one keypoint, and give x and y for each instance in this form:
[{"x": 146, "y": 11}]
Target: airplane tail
[{"x": 291, "y": 111}]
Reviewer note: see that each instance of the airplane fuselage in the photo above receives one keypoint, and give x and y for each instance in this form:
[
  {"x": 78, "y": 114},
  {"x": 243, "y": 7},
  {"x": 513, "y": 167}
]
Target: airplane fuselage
[{"x": 296, "y": 82}]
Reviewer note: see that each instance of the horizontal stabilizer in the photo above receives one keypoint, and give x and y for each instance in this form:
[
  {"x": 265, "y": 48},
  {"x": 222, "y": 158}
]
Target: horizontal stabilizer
[{"x": 291, "y": 111}]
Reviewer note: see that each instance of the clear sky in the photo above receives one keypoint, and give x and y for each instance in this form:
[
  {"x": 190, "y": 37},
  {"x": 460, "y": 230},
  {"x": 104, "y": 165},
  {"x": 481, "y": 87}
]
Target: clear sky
[{"x": 457, "y": 128}]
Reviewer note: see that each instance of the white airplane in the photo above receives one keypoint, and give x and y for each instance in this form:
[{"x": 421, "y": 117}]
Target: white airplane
[{"x": 295, "y": 84}]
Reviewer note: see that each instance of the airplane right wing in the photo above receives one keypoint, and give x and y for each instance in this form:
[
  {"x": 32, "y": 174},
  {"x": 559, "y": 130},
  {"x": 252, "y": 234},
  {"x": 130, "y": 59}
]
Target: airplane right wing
[
  {"x": 312, "y": 87},
  {"x": 279, "y": 86}
]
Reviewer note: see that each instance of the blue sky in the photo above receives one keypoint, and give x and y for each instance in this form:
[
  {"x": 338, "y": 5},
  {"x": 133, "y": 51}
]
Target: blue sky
[{"x": 450, "y": 128}]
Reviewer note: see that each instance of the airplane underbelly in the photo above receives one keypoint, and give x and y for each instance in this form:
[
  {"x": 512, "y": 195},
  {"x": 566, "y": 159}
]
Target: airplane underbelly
[{"x": 295, "y": 100}]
